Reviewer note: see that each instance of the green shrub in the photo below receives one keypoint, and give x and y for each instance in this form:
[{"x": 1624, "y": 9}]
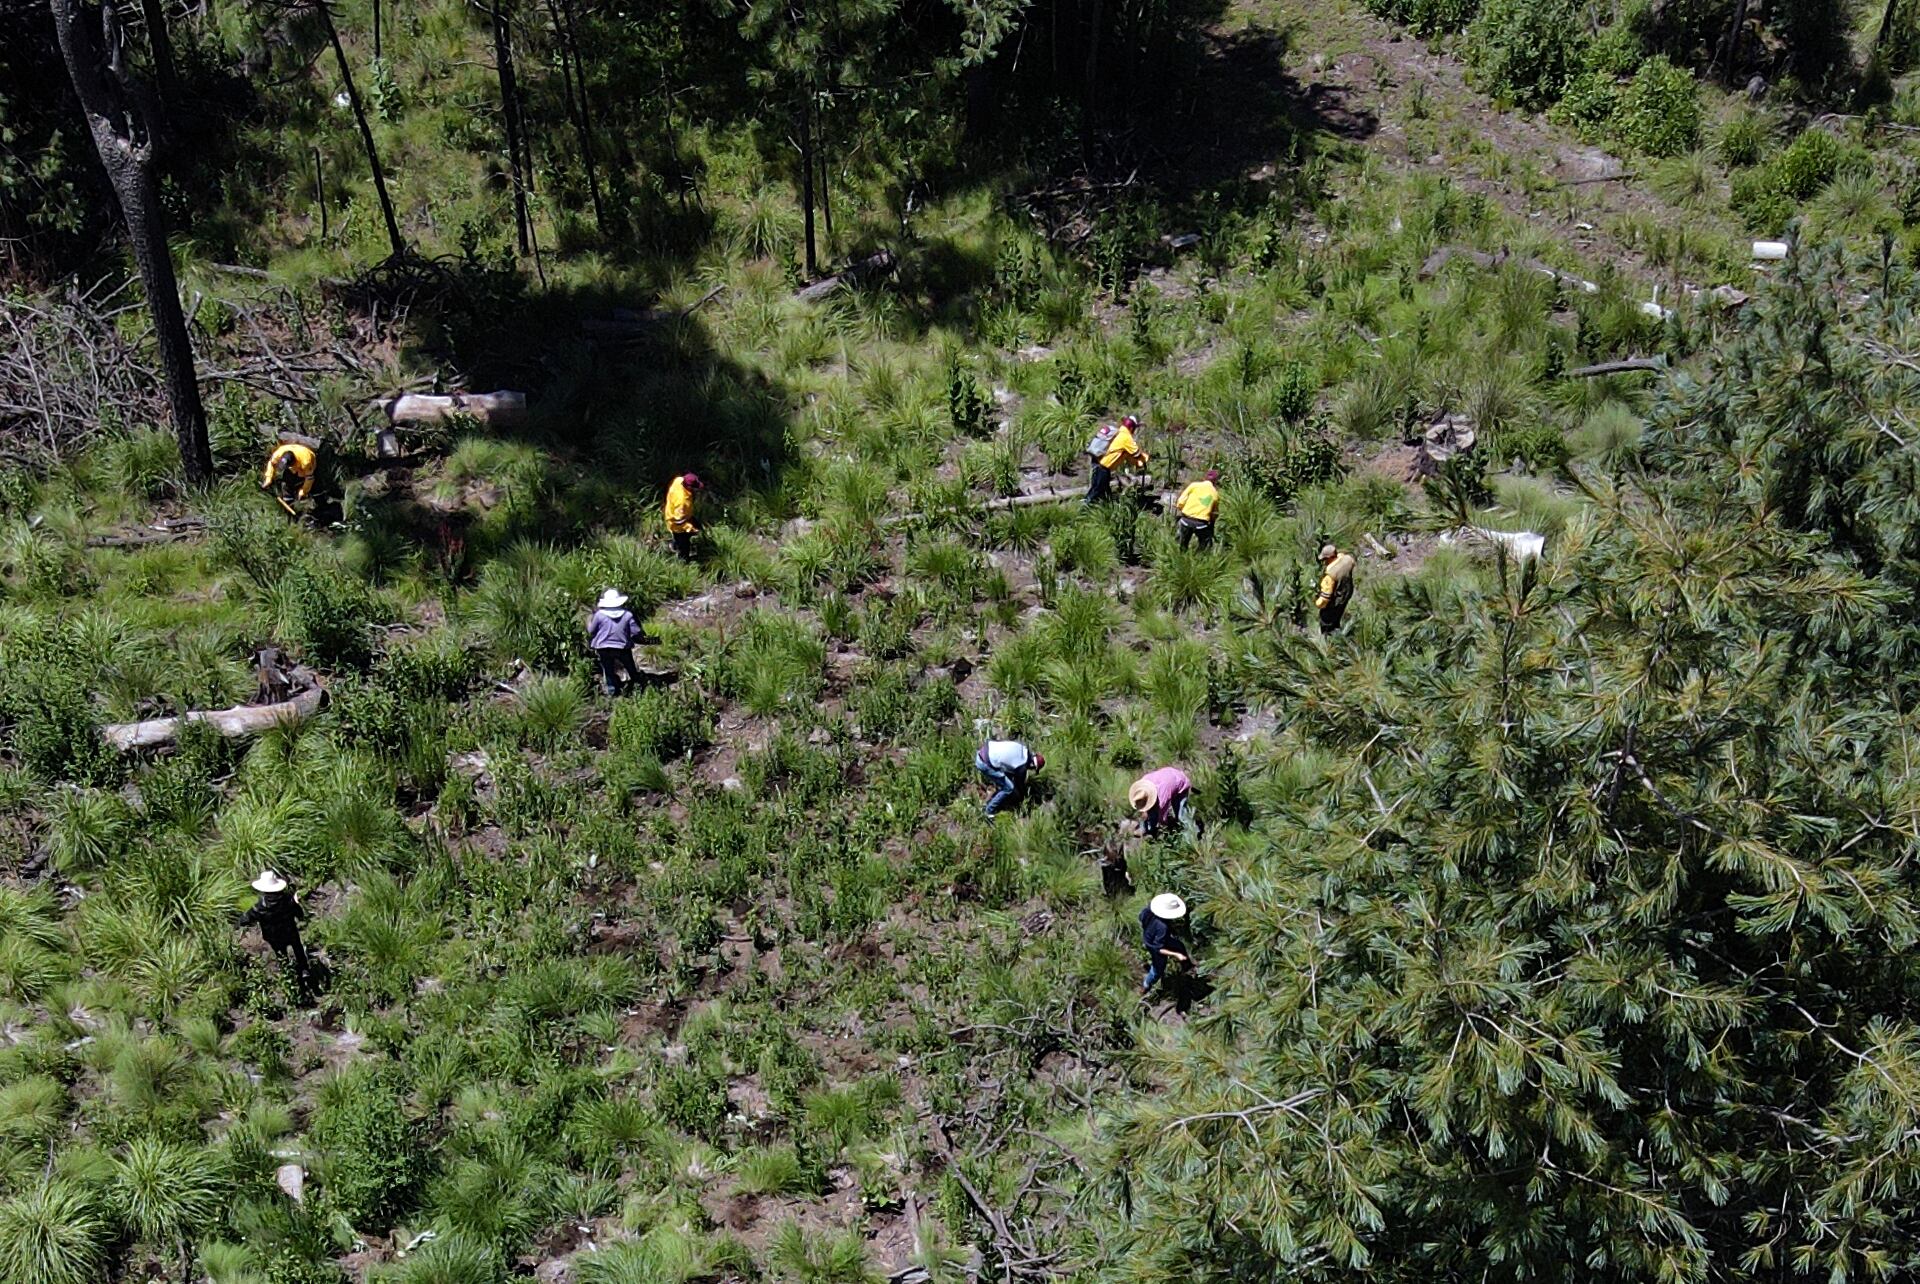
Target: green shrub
[
  {"x": 1426, "y": 17},
  {"x": 1743, "y": 139},
  {"x": 665, "y": 724},
  {"x": 1524, "y": 50},
  {"x": 1659, "y": 111},
  {"x": 1293, "y": 392},
  {"x": 1588, "y": 104},
  {"x": 374, "y": 1153},
  {"x": 1284, "y": 463},
  {"x": 327, "y": 614},
  {"x": 1762, "y": 205},
  {"x": 1807, "y": 165},
  {"x": 966, "y": 404},
  {"x": 693, "y": 1100}
]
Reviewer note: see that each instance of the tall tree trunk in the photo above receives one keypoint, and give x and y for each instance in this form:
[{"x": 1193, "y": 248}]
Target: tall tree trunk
[
  {"x": 806, "y": 178},
  {"x": 376, "y": 28},
  {"x": 581, "y": 113},
  {"x": 165, "y": 70},
  {"x": 1092, "y": 90},
  {"x": 1727, "y": 55},
  {"x": 510, "y": 115},
  {"x": 324, "y": 9},
  {"x": 125, "y": 143},
  {"x": 826, "y": 183}
]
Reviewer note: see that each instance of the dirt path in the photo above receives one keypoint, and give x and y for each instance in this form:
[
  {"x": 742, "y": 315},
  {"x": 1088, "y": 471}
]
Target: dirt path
[{"x": 1411, "y": 109}]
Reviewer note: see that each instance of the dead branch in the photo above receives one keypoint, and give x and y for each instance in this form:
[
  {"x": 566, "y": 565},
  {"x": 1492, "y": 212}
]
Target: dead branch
[
  {"x": 1616, "y": 367},
  {"x": 872, "y": 268}
]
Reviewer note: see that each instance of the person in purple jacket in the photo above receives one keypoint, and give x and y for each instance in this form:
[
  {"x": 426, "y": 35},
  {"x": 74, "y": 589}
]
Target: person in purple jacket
[
  {"x": 611, "y": 633},
  {"x": 1160, "y": 797}
]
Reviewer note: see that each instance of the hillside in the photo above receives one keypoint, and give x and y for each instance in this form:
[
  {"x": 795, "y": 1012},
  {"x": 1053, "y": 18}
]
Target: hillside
[{"x": 1549, "y": 920}]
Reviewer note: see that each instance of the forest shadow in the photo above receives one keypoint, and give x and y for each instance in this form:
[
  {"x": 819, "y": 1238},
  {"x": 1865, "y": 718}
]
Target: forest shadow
[{"x": 616, "y": 408}]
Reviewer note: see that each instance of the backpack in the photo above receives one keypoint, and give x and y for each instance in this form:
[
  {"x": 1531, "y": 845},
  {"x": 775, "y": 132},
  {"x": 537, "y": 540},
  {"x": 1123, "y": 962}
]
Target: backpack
[{"x": 1102, "y": 441}]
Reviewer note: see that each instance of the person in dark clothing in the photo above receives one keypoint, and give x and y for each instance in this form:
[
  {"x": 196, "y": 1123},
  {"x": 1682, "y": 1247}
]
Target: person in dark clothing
[
  {"x": 1157, "y": 934},
  {"x": 277, "y": 914}
]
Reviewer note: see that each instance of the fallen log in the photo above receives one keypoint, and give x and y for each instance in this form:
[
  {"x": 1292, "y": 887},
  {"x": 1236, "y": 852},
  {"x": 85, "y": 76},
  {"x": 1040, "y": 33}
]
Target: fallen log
[
  {"x": 1615, "y": 367},
  {"x": 493, "y": 409},
  {"x": 288, "y": 437},
  {"x": 241, "y": 720},
  {"x": 869, "y": 268},
  {"x": 1447, "y": 253}
]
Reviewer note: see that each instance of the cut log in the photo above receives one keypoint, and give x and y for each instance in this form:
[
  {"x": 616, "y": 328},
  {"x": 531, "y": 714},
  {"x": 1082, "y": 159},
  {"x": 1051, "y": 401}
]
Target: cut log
[
  {"x": 239, "y": 721},
  {"x": 1616, "y": 367},
  {"x": 493, "y": 409},
  {"x": 872, "y": 267}
]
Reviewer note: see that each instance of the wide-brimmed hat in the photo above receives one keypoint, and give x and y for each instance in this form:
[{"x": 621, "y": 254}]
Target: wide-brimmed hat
[
  {"x": 1167, "y": 905},
  {"x": 611, "y": 599},
  {"x": 1141, "y": 795},
  {"x": 1328, "y": 552},
  {"x": 268, "y": 881}
]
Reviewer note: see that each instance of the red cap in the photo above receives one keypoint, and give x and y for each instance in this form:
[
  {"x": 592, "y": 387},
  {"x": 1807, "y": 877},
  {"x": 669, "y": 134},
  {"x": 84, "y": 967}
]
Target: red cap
[
  {"x": 1213, "y": 474},
  {"x": 692, "y": 482},
  {"x": 1039, "y": 761},
  {"x": 1130, "y": 423}
]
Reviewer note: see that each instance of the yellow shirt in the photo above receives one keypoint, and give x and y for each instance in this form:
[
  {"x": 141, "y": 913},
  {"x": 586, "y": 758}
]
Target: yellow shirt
[
  {"x": 679, "y": 508},
  {"x": 1122, "y": 449},
  {"x": 1337, "y": 582},
  {"x": 300, "y": 462},
  {"x": 1198, "y": 501}
]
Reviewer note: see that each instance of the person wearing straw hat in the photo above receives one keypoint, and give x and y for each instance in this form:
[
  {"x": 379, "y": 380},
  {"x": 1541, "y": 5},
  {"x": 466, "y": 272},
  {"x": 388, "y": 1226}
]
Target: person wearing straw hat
[
  {"x": 611, "y": 633},
  {"x": 1160, "y": 797},
  {"x": 277, "y": 914},
  {"x": 1199, "y": 504},
  {"x": 1004, "y": 764},
  {"x": 1157, "y": 934},
  {"x": 679, "y": 512},
  {"x": 1336, "y": 587}
]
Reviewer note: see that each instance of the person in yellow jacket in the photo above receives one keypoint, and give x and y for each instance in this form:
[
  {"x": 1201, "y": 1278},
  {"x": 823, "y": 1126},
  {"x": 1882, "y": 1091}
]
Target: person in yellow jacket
[
  {"x": 1336, "y": 587},
  {"x": 1122, "y": 451},
  {"x": 679, "y": 513},
  {"x": 1199, "y": 504},
  {"x": 290, "y": 467}
]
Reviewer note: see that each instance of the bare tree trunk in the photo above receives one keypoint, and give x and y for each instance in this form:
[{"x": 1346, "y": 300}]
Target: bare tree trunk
[
  {"x": 166, "y": 71},
  {"x": 1092, "y": 92},
  {"x": 376, "y": 28},
  {"x": 826, "y": 183},
  {"x": 399, "y": 245},
  {"x": 806, "y": 178},
  {"x": 124, "y": 140},
  {"x": 573, "y": 74},
  {"x": 510, "y": 116},
  {"x": 1726, "y": 58}
]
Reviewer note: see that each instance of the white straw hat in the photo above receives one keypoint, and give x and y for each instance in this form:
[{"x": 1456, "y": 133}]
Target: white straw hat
[
  {"x": 269, "y": 882},
  {"x": 612, "y": 598},
  {"x": 1167, "y": 905}
]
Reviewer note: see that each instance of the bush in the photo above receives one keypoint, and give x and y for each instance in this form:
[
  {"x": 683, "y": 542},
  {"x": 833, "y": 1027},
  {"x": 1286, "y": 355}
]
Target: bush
[
  {"x": 693, "y": 1100},
  {"x": 1742, "y": 139},
  {"x": 1283, "y": 464},
  {"x": 1293, "y": 392},
  {"x": 1525, "y": 50},
  {"x": 1659, "y": 112},
  {"x": 1759, "y": 202},
  {"x": 663, "y": 724},
  {"x": 1807, "y": 165},
  {"x": 327, "y": 614},
  {"x": 1426, "y": 17},
  {"x": 53, "y": 730},
  {"x": 374, "y": 1153},
  {"x": 1588, "y": 105}
]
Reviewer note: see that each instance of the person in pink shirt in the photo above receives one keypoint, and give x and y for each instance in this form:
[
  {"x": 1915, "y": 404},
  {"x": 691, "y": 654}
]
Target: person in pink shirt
[{"x": 1161, "y": 798}]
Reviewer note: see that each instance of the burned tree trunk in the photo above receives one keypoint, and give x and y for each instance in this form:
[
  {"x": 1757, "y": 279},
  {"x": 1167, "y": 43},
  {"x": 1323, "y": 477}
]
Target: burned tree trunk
[
  {"x": 394, "y": 238},
  {"x": 89, "y": 44},
  {"x": 806, "y": 179},
  {"x": 166, "y": 71}
]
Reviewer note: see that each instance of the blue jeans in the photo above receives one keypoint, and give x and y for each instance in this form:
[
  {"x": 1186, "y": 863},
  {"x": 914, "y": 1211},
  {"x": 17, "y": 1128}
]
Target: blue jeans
[
  {"x": 1007, "y": 784},
  {"x": 1155, "y": 970},
  {"x": 1177, "y": 812}
]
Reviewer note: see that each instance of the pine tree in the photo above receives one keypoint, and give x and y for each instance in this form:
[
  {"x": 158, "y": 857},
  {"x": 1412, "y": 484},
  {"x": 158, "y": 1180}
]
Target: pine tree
[{"x": 1589, "y": 959}]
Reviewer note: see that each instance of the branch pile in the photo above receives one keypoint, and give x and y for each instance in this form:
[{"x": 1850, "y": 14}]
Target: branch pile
[{"x": 64, "y": 364}]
